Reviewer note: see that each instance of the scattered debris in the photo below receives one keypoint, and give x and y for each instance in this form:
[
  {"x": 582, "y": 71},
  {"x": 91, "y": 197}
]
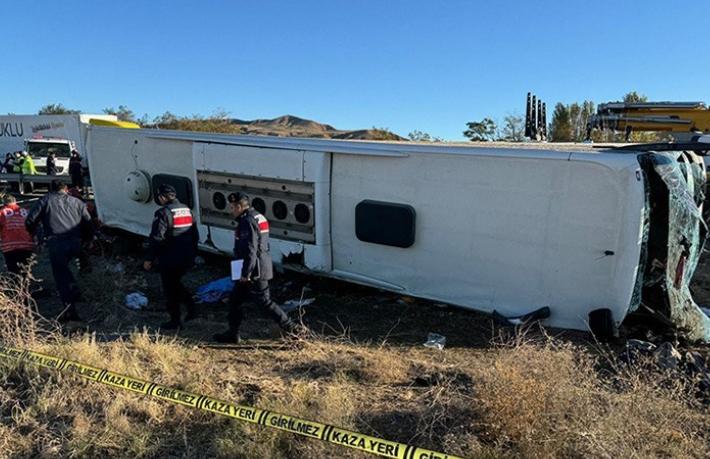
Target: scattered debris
[
  {"x": 405, "y": 300},
  {"x": 636, "y": 348},
  {"x": 136, "y": 301},
  {"x": 214, "y": 291},
  {"x": 117, "y": 268},
  {"x": 667, "y": 358},
  {"x": 435, "y": 341},
  {"x": 291, "y": 305}
]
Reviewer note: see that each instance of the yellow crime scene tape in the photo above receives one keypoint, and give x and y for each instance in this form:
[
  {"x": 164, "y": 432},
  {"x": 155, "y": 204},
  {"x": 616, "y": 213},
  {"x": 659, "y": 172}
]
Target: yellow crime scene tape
[{"x": 293, "y": 424}]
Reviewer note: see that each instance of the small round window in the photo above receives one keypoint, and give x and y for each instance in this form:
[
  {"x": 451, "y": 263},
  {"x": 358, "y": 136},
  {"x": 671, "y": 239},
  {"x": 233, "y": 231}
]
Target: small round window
[
  {"x": 302, "y": 213},
  {"x": 280, "y": 210},
  {"x": 219, "y": 201}
]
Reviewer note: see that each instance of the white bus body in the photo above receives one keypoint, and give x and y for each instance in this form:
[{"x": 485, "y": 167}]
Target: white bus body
[{"x": 487, "y": 227}]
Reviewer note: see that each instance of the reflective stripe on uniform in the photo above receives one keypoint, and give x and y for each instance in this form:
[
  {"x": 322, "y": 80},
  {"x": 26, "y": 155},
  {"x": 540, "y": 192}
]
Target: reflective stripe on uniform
[
  {"x": 182, "y": 217},
  {"x": 262, "y": 223}
]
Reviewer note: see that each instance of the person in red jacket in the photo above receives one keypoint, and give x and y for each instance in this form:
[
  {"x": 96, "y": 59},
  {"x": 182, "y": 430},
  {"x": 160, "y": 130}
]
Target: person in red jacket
[{"x": 15, "y": 242}]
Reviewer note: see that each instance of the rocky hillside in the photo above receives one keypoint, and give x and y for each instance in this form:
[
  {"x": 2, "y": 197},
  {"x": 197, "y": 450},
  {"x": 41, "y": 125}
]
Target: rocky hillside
[
  {"x": 283, "y": 126},
  {"x": 293, "y": 126}
]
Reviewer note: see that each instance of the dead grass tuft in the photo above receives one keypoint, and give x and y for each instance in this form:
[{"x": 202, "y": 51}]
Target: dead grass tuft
[
  {"x": 20, "y": 323},
  {"x": 549, "y": 400}
]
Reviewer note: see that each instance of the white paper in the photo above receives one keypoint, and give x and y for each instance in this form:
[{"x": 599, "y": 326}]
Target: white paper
[{"x": 237, "y": 269}]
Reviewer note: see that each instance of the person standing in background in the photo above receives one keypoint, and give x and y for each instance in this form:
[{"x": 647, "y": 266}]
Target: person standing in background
[
  {"x": 17, "y": 165},
  {"x": 15, "y": 241},
  {"x": 76, "y": 171},
  {"x": 51, "y": 164},
  {"x": 8, "y": 167},
  {"x": 28, "y": 168}
]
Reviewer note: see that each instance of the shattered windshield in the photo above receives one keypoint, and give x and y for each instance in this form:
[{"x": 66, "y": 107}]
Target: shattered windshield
[{"x": 684, "y": 176}]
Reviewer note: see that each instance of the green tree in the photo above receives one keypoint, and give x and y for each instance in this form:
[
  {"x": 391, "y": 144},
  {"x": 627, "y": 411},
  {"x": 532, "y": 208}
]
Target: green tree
[
  {"x": 561, "y": 124},
  {"x": 634, "y": 98},
  {"x": 513, "y": 129},
  {"x": 419, "y": 136},
  {"x": 123, "y": 113},
  {"x": 481, "y": 131},
  {"x": 579, "y": 116},
  {"x": 56, "y": 109}
]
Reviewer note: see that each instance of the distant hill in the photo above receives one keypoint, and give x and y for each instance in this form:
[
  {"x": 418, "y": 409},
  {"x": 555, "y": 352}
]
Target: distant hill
[{"x": 283, "y": 126}]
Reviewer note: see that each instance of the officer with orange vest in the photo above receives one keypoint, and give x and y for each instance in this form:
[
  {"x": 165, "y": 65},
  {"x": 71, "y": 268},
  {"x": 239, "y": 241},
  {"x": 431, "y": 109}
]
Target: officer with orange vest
[
  {"x": 173, "y": 244},
  {"x": 251, "y": 244},
  {"x": 15, "y": 241}
]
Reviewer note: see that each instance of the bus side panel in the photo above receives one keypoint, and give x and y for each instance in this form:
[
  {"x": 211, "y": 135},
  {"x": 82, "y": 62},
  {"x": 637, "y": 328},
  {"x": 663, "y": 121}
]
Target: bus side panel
[{"x": 493, "y": 233}]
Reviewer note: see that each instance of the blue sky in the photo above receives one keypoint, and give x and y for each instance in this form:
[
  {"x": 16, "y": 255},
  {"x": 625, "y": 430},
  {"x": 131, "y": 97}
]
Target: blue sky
[{"x": 404, "y": 65}]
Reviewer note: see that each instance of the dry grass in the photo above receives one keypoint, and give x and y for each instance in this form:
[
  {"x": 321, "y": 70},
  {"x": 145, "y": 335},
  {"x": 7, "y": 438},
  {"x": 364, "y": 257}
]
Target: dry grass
[
  {"x": 516, "y": 399},
  {"x": 549, "y": 400}
]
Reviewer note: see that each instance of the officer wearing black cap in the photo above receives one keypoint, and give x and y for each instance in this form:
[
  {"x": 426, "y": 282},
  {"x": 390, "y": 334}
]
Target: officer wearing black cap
[
  {"x": 65, "y": 221},
  {"x": 173, "y": 243},
  {"x": 251, "y": 244}
]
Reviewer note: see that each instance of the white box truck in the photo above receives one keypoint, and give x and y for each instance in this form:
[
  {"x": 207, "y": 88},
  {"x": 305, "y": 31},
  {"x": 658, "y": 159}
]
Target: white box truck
[{"x": 41, "y": 134}]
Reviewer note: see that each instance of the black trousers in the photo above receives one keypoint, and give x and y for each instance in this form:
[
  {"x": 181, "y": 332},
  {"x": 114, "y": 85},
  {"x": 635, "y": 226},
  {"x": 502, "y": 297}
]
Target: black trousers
[
  {"x": 174, "y": 291},
  {"x": 259, "y": 292},
  {"x": 62, "y": 250},
  {"x": 77, "y": 181},
  {"x": 15, "y": 259}
]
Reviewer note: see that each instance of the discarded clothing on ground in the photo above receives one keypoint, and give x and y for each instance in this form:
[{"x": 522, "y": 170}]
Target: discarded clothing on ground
[
  {"x": 214, "y": 291},
  {"x": 136, "y": 301}
]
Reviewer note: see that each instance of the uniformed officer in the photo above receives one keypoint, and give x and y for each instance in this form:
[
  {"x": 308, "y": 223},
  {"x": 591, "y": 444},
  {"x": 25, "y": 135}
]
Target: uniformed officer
[
  {"x": 65, "y": 221},
  {"x": 173, "y": 243},
  {"x": 251, "y": 244}
]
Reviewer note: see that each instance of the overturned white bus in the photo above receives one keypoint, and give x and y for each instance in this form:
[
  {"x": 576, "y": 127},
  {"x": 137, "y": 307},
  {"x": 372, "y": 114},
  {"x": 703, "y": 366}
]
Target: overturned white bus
[{"x": 590, "y": 234}]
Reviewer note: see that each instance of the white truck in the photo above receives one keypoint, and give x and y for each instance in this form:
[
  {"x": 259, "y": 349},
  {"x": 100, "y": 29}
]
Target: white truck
[{"x": 41, "y": 134}]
